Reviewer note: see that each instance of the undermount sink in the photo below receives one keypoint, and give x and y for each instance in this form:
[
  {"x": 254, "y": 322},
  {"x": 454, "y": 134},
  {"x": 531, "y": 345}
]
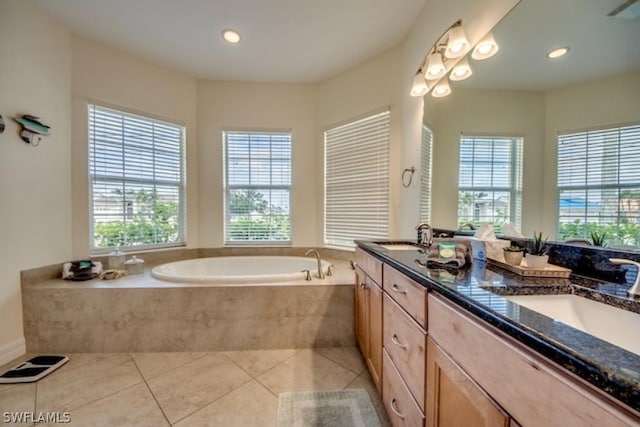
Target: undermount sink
[{"x": 611, "y": 324}]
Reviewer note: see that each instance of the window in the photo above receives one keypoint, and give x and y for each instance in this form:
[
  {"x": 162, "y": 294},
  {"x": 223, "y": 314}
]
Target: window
[
  {"x": 136, "y": 167},
  {"x": 425, "y": 174},
  {"x": 599, "y": 184},
  {"x": 490, "y": 180},
  {"x": 356, "y": 182},
  {"x": 257, "y": 187}
]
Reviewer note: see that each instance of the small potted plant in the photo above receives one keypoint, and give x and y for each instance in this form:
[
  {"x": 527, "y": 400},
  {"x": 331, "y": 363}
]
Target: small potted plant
[
  {"x": 536, "y": 257},
  {"x": 598, "y": 239},
  {"x": 513, "y": 255}
]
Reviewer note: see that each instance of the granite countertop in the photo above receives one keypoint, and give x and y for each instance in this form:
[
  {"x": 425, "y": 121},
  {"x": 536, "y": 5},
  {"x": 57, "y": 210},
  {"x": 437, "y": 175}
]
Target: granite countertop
[{"x": 479, "y": 289}]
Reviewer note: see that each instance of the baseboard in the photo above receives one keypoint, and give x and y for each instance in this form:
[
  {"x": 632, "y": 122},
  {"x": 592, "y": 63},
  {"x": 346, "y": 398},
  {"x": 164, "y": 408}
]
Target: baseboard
[{"x": 12, "y": 350}]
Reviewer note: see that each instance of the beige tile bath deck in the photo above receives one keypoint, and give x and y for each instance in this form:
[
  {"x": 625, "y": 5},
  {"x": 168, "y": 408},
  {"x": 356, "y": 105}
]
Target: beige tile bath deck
[
  {"x": 187, "y": 388},
  {"x": 306, "y": 370},
  {"x": 249, "y": 405}
]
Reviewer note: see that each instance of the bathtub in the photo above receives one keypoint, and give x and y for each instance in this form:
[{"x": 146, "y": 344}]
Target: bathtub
[{"x": 238, "y": 269}]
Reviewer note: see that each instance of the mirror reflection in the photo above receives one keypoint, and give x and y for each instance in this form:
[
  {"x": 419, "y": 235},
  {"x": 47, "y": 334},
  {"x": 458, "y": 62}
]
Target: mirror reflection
[{"x": 548, "y": 144}]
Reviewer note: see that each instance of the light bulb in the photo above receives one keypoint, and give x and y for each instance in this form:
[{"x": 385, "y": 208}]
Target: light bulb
[
  {"x": 441, "y": 89},
  {"x": 457, "y": 44},
  {"x": 461, "y": 71},
  {"x": 419, "y": 87},
  {"x": 231, "y": 36},
  {"x": 557, "y": 53},
  {"x": 486, "y": 48},
  {"x": 435, "y": 67}
]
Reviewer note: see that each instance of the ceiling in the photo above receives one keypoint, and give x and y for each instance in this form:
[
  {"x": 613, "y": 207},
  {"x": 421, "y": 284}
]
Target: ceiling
[
  {"x": 292, "y": 41},
  {"x": 600, "y": 46}
]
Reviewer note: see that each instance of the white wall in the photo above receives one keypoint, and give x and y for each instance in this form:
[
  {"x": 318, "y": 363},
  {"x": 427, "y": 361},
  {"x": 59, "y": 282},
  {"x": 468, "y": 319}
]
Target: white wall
[
  {"x": 252, "y": 106},
  {"x": 104, "y": 75},
  {"x": 516, "y": 113},
  {"x": 35, "y": 182}
]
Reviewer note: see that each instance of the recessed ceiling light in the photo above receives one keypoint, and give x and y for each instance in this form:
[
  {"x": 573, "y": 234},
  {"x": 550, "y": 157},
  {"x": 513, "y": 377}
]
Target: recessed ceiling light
[
  {"x": 232, "y": 36},
  {"x": 557, "y": 53}
]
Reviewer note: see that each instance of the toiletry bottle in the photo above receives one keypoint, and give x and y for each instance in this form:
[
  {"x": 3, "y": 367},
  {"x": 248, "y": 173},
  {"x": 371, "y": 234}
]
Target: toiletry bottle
[
  {"x": 116, "y": 259},
  {"x": 134, "y": 265}
]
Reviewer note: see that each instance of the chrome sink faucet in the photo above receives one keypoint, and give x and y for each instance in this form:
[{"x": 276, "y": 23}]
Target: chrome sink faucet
[
  {"x": 425, "y": 234},
  {"x": 320, "y": 274},
  {"x": 634, "y": 290},
  {"x": 467, "y": 224}
]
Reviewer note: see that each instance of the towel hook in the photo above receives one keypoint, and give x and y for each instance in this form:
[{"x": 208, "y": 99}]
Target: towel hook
[{"x": 412, "y": 170}]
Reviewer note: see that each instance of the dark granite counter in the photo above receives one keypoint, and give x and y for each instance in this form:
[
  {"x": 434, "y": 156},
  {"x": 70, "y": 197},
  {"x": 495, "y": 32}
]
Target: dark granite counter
[{"x": 479, "y": 289}]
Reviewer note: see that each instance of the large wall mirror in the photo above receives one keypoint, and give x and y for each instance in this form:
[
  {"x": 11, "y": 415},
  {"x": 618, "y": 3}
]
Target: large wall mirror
[{"x": 550, "y": 145}]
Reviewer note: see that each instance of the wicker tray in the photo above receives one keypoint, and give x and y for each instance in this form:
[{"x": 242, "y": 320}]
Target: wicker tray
[{"x": 549, "y": 271}]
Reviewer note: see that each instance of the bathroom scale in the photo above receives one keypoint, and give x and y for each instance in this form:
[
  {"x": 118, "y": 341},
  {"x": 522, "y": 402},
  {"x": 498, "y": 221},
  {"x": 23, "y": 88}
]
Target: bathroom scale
[{"x": 33, "y": 369}]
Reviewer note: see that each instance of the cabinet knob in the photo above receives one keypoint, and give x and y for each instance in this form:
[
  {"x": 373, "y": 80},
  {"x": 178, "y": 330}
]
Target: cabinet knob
[
  {"x": 395, "y": 409},
  {"x": 396, "y": 288}
]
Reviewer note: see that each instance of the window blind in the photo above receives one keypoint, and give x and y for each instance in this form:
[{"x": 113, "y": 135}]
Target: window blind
[
  {"x": 490, "y": 180},
  {"x": 258, "y": 187},
  {"x": 425, "y": 175},
  {"x": 599, "y": 184},
  {"x": 136, "y": 167},
  {"x": 356, "y": 183}
]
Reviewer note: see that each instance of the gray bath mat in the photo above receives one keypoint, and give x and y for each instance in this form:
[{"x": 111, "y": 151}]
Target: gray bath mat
[{"x": 334, "y": 408}]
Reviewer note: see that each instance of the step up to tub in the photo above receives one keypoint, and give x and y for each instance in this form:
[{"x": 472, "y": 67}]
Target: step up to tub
[{"x": 33, "y": 369}]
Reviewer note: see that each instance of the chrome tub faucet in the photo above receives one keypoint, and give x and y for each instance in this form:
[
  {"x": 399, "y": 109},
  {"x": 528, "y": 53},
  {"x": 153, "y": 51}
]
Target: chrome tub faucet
[
  {"x": 634, "y": 290},
  {"x": 320, "y": 274}
]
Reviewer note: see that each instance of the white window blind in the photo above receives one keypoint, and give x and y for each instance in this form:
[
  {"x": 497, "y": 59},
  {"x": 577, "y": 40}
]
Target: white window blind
[
  {"x": 599, "y": 184},
  {"x": 425, "y": 174},
  {"x": 257, "y": 187},
  {"x": 136, "y": 167},
  {"x": 357, "y": 181},
  {"x": 490, "y": 180}
]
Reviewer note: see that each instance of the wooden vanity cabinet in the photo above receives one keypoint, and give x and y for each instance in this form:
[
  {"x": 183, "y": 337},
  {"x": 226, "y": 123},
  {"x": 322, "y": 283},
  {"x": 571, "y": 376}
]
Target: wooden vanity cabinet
[{"x": 368, "y": 313}]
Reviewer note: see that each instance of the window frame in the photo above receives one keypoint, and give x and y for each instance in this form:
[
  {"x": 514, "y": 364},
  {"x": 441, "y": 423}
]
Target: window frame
[
  {"x": 426, "y": 153},
  {"x": 589, "y": 134},
  {"x": 93, "y": 177},
  {"x": 516, "y": 175},
  {"x": 227, "y": 188}
]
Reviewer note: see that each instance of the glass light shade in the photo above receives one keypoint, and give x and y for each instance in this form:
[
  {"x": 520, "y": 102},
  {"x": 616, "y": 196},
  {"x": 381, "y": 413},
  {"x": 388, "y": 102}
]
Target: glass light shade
[
  {"x": 420, "y": 87},
  {"x": 457, "y": 44},
  {"x": 461, "y": 71},
  {"x": 441, "y": 89},
  {"x": 486, "y": 48},
  {"x": 435, "y": 66}
]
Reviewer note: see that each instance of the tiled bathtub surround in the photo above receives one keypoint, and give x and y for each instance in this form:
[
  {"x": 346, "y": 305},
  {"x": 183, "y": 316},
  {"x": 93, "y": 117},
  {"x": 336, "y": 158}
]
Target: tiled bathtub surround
[{"x": 143, "y": 314}]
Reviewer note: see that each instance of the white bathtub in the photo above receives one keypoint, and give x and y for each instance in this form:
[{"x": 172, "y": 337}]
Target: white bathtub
[{"x": 238, "y": 269}]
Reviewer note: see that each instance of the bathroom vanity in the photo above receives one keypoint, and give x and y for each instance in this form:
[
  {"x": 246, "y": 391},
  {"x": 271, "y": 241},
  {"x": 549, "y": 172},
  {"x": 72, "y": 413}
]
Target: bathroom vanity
[{"x": 455, "y": 352}]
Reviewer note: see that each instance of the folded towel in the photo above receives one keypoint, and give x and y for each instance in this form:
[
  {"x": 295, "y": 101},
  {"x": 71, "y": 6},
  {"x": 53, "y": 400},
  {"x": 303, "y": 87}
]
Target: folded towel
[{"x": 456, "y": 262}]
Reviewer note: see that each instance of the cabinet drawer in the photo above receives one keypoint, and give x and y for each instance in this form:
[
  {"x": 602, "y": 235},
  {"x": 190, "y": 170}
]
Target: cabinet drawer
[
  {"x": 507, "y": 371},
  {"x": 370, "y": 265},
  {"x": 405, "y": 343},
  {"x": 400, "y": 406},
  {"x": 409, "y": 294}
]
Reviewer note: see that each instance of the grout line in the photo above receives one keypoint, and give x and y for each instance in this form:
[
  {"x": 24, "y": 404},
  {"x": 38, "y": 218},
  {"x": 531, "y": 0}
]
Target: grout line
[
  {"x": 144, "y": 380},
  {"x": 340, "y": 364},
  {"x": 204, "y": 353}
]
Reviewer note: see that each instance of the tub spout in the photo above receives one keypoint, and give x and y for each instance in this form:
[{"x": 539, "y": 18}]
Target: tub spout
[
  {"x": 320, "y": 274},
  {"x": 634, "y": 290}
]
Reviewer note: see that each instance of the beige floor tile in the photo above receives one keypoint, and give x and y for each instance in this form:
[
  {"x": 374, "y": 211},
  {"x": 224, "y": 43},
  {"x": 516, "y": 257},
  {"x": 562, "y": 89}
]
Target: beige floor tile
[
  {"x": 250, "y": 405},
  {"x": 347, "y": 357},
  {"x": 256, "y": 362},
  {"x": 77, "y": 360},
  {"x": 15, "y": 362},
  {"x": 187, "y": 388},
  {"x": 133, "y": 407},
  {"x": 67, "y": 389},
  {"x": 16, "y": 399},
  {"x": 307, "y": 370},
  {"x": 364, "y": 381},
  {"x": 152, "y": 364}
]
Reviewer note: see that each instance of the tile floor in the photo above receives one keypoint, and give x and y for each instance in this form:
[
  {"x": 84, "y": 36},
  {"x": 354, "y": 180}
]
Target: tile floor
[{"x": 238, "y": 388}]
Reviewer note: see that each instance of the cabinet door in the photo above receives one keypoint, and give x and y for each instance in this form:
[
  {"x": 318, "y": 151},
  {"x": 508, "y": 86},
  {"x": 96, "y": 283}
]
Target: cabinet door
[
  {"x": 453, "y": 398},
  {"x": 362, "y": 312},
  {"x": 374, "y": 361}
]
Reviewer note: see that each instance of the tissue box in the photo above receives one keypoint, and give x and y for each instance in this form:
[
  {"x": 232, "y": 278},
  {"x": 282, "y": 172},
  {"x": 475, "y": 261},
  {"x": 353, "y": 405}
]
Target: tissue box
[{"x": 483, "y": 249}]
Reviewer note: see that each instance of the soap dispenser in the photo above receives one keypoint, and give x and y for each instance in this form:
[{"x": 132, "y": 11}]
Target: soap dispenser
[{"x": 116, "y": 259}]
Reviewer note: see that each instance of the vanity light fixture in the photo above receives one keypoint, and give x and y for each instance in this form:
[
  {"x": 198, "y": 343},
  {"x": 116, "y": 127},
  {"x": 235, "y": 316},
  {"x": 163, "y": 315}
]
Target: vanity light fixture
[
  {"x": 435, "y": 66},
  {"x": 486, "y": 48},
  {"x": 557, "y": 53},
  {"x": 442, "y": 89},
  {"x": 231, "y": 36},
  {"x": 462, "y": 70},
  {"x": 419, "y": 87},
  {"x": 457, "y": 45}
]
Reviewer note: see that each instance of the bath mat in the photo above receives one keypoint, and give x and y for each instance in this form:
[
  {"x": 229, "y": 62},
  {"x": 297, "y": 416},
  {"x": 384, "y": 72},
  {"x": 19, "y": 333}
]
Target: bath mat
[
  {"x": 333, "y": 408},
  {"x": 33, "y": 369}
]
